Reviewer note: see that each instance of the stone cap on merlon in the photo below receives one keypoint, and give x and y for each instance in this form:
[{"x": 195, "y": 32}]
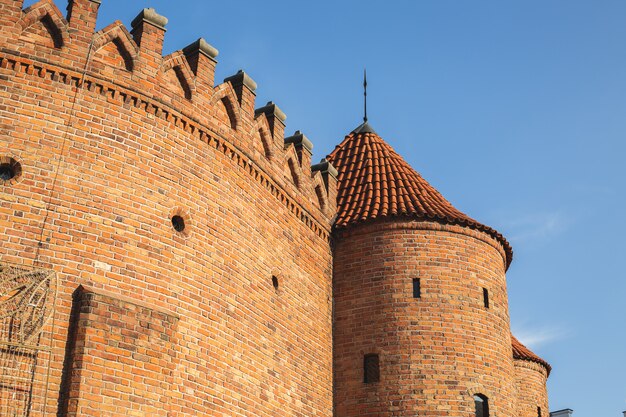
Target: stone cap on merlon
[
  {"x": 242, "y": 78},
  {"x": 299, "y": 140},
  {"x": 204, "y": 48},
  {"x": 325, "y": 167},
  {"x": 149, "y": 15}
]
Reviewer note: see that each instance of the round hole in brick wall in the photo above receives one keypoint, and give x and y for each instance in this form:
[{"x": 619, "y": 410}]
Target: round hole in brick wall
[
  {"x": 9, "y": 169},
  {"x": 178, "y": 223},
  {"x": 275, "y": 282}
]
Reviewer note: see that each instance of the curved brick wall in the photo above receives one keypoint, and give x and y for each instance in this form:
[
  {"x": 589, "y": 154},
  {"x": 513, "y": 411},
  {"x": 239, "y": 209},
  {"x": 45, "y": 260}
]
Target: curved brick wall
[
  {"x": 531, "y": 379},
  {"x": 435, "y": 352},
  {"x": 113, "y": 140}
]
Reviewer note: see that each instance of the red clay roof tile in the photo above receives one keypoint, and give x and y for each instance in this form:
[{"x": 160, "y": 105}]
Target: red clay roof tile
[
  {"x": 375, "y": 182},
  {"x": 521, "y": 352}
]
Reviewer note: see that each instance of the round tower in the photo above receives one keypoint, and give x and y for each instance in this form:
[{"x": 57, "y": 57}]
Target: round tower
[
  {"x": 421, "y": 323},
  {"x": 531, "y": 375}
]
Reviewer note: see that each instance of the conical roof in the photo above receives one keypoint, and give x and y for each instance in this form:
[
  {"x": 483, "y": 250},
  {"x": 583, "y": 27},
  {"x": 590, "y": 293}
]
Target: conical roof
[
  {"x": 521, "y": 352},
  {"x": 376, "y": 182}
]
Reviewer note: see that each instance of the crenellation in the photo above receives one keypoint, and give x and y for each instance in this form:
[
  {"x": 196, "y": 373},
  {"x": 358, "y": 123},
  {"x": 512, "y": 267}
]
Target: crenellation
[
  {"x": 202, "y": 61},
  {"x": 328, "y": 174},
  {"x": 148, "y": 30},
  {"x": 304, "y": 150},
  {"x": 119, "y": 95},
  {"x": 244, "y": 87},
  {"x": 117, "y": 36},
  {"x": 181, "y": 74},
  {"x": 293, "y": 168},
  {"x": 328, "y": 171},
  {"x": 260, "y": 255},
  {"x": 224, "y": 95},
  {"x": 49, "y": 15},
  {"x": 326, "y": 202},
  {"x": 262, "y": 127},
  {"x": 275, "y": 119},
  {"x": 82, "y": 16}
]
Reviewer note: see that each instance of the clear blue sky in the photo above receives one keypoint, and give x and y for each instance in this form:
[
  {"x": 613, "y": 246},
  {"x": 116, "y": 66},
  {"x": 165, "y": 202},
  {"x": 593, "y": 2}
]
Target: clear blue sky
[{"x": 514, "y": 110}]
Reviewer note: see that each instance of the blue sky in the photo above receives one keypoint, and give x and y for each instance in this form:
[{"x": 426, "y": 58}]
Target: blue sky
[{"x": 515, "y": 111}]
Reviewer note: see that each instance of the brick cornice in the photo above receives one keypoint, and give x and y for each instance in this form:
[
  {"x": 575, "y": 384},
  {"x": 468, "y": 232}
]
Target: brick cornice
[
  {"x": 408, "y": 224},
  {"x": 534, "y": 366}
]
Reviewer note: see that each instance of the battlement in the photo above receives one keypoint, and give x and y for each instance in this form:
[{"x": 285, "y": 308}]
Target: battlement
[
  {"x": 179, "y": 254},
  {"x": 128, "y": 67}
]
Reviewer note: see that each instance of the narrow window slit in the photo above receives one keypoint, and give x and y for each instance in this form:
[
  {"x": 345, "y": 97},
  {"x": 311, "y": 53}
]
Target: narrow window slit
[
  {"x": 417, "y": 289},
  {"x": 371, "y": 368}
]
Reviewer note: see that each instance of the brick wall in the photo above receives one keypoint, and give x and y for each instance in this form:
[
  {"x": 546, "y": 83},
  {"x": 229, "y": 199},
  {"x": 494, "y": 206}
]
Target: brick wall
[
  {"x": 530, "y": 379},
  {"x": 120, "y": 359},
  {"x": 113, "y": 140},
  {"x": 435, "y": 352}
]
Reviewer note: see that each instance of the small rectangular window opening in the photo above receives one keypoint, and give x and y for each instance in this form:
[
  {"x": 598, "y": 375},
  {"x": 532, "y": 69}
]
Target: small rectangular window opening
[
  {"x": 371, "y": 369},
  {"x": 538, "y": 411},
  {"x": 417, "y": 291},
  {"x": 486, "y": 297}
]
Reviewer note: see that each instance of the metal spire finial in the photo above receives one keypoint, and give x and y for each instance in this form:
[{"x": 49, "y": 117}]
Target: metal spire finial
[{"x": 365, "y": 95}]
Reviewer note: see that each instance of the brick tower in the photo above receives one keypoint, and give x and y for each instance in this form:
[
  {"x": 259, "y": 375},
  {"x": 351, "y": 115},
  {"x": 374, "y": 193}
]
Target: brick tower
[
  {"x": 531, "y": 375},
  {"x": 421, "y": 323},
  {"x": 167, "y": 251}
]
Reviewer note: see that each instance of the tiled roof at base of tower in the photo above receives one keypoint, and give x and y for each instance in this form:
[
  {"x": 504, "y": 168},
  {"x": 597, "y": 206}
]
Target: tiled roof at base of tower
[
  {"x": 521, "y": 352},
  {"x": 376, "y": 182}
]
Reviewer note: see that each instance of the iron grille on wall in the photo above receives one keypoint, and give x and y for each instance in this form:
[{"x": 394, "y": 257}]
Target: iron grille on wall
[{"x": 27, "y": 301}]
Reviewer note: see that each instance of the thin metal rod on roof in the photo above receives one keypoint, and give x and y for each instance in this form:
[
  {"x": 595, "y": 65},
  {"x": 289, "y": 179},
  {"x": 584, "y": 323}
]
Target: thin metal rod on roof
[{"x": 365, "y": 95}]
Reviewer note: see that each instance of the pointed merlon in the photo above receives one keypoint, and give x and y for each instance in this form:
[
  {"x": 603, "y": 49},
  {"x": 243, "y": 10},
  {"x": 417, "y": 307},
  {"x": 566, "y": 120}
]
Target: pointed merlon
[
  {"x": 304, "y": 149},
  {"x": 149, "y": 15},
  {"x": 241, "y": 78},
  {"x": 276, "y": 120},
  {"x": 325, "y": 167},
  {"x": 329, "y": 176},
  {"x": 201, "y": 57},
  {"x": 300, "y": 141},
  {"x": 271, "y": 109},
  {"x": 203, "y": 47}
]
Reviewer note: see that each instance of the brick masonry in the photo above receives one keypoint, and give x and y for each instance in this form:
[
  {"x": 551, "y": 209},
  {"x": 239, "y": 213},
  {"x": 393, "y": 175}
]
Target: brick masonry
[
  {"x": 530, "y": 379},
  {"x": 436, "y": 351},
  {"x": 232, "y": 316},
  {"x": 121, "y": 357},
  {"x": 113, "y": 141}
]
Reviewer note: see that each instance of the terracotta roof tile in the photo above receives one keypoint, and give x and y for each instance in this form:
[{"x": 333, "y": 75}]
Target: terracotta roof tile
[
  {"x": 521, "y": 352},
  {"x": 375, "y": 182}
]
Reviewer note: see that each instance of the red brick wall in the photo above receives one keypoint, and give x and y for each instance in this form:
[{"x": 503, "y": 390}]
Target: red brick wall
[
  {"x": 436, "y": 351},
  {"x": 121, "y": 357},
  {"x": 531, "y": 379},
  {"x": 108, "y": 156}
]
